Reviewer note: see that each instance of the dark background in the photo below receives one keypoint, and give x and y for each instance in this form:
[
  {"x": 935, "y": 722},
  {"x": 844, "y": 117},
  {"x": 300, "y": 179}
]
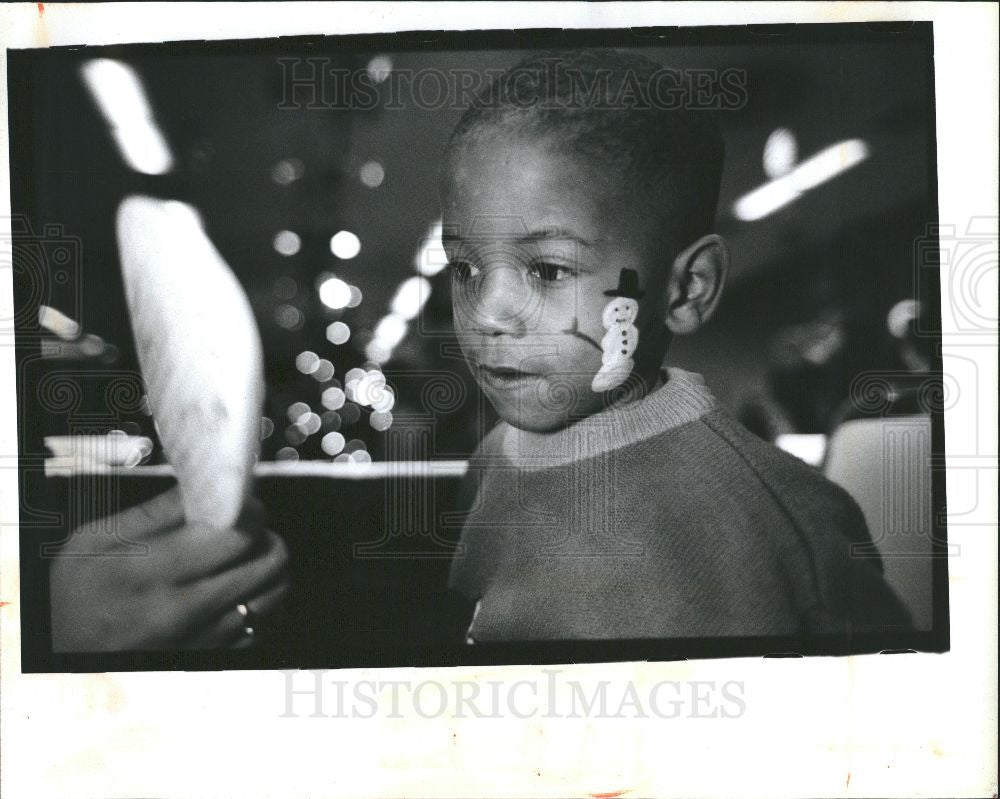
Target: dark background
[{"x": 803, "y": 315}]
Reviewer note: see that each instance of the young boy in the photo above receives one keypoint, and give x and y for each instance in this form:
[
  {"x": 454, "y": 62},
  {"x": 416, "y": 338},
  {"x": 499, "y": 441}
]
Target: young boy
[{"x": 615, "y": 499}]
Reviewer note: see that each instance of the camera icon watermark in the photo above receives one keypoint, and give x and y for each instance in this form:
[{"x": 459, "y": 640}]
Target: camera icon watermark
[{"x": 964, "y": 263}]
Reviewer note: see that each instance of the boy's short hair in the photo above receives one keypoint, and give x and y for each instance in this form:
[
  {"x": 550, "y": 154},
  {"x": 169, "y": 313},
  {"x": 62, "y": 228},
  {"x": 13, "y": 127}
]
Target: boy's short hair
[{"x": 612, "y": 107}]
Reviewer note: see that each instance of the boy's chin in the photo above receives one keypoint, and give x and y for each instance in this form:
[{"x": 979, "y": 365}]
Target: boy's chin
[{"x": 537, "y": 418}]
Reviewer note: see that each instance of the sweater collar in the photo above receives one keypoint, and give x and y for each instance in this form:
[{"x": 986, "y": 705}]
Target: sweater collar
[{"x": 683, "y": 398}]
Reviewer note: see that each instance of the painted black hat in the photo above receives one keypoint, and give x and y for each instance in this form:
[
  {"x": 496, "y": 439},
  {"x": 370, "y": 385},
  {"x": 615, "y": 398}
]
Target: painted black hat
[{"x": 628, "y": 285}]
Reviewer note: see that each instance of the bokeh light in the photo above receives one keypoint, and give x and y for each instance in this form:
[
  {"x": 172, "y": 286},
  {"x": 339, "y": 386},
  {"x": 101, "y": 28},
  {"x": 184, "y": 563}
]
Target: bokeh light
[
  {"x": 295, "y": 434},
  {"x": 333, "y": 443},
  {"x": 335, "y": 293},
  {"x": 296, "y": 410},
  {"x": 372, "y": 174},
  {"x": 379, "y": 68},
  {"x": 781, "y": 151},
  {"x": 266, "y": 428},
  {"x": 391, "y": 329},
  {"x": 380, "y": 421},
  {"x": 333, "y": 398},
  {"x": 287, "y": 171},
  {"x": 287, "y": 454},
  {"x": 324, "y": 370},
  {"x": 350, "y": 413},
  {"x": 307, "y": 362},
  {"x": 410, "y": 297},
  {"x": 345, "y": 245},
  {"x": 289, "y": 317},
  {"x": 331, "y": 421},
  {"x": 431, "y": 257},
  {"x": 310, "y": 423},
  {"x": 286, "y": 242},
  {"x": 338, "y": 333}
]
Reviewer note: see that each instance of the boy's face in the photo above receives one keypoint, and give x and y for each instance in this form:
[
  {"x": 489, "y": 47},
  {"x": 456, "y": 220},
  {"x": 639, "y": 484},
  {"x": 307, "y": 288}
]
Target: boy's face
[{"x": 535, "y": 239}]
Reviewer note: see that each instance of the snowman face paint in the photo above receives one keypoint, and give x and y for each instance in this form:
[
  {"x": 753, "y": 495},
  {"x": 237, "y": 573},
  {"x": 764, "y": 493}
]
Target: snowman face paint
[
  {"x": 622, "y": 336},
  {"x": 620, "y": 311}
]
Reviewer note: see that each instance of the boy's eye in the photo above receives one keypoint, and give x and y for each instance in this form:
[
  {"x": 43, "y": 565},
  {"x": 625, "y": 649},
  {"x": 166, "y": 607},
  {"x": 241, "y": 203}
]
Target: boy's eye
[
  {"x": 549, "y": 272},
  {"x": 463, "y": 269}
]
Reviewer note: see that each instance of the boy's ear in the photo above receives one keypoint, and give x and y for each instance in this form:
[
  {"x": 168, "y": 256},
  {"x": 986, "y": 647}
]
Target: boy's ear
[{"x": 695, "y": 284}]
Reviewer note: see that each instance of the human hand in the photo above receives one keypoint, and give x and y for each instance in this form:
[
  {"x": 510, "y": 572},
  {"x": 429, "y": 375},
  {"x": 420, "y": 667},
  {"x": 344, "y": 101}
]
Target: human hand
[{"x": 182, "y": 594}]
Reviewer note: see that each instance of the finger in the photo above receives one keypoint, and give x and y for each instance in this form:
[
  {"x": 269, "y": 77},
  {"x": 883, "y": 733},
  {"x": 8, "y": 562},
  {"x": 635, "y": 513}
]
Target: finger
[
  {"x": 235, "y": 629},
  {"x": 229, "y": 630},
  {"x": 217, "y": 593},
  {"x": 270, "y": 599},
  {"x": 204, "y": 551}
]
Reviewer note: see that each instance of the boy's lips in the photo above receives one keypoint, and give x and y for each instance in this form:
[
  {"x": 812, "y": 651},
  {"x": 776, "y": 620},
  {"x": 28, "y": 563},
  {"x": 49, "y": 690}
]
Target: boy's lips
[{"x": 504, "y": 378}]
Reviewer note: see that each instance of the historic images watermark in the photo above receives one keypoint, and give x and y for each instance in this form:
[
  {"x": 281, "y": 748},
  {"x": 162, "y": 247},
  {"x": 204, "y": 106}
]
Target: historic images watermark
[
  {"x": 318, "y": 83},
  {"x": 319, "y": 693}
]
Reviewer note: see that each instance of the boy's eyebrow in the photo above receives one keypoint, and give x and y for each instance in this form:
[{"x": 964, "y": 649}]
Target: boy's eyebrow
[
  {"x": 550, "y": 233},
  {"x": 554, "y": 232}
]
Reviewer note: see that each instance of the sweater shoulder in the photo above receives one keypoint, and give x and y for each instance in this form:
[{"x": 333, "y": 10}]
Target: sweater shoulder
[{"x": 812, "y": 502}]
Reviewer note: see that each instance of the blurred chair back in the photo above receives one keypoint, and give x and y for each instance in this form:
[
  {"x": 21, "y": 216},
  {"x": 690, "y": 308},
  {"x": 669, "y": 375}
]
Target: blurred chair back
[{"x": 885, "y": 464}]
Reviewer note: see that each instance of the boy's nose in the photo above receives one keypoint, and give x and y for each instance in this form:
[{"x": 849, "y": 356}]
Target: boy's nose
[{"x": 503, "y": 301}]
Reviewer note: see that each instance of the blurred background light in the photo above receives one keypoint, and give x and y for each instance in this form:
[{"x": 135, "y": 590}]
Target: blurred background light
[
  {"x": 350, "y": 413},
  {"x": 345, "y": 245},
  {"x": 287, "y": 454},
  {"x": 806, "y": 447},
  {"x": 378, "y": 351},
  {"x": 310, "y": 422},
  {"x": 338, "y": 333},
  {"x": 379, "y": 68},
  {"x": 410, "y": 297},
  {"x": 288, "y": 317},
  {"x": 335, "y": 293},
  {"x": 380, "y": 420},
  {"x": 812, "y": 172},
  {"x": 331, "y": 421},
  {"x": 369, "y": 388},
  {"x": 333, "y": 398},
  {"x": 781, "y": 150},
  {"x": 266, "y": 428},
  {"x": 307, "y": 362},
  {"x": 356, "y": 297},
  {"x": 901, "y": 316},
  {"x": 296, "y": 410},
  {"x": 390, "y": 330},
  {"x": 287, "y": 243},
  {"x": 119, "y": 94},
  {"x": 287, "y": 171},
  {"x": 431, "y": 258},
  {"x": 324, "y": 370},
  {"x": 57, "y": 322},
  {"x": 333, "y": 443},
  {"x": 372, "y": 174}
]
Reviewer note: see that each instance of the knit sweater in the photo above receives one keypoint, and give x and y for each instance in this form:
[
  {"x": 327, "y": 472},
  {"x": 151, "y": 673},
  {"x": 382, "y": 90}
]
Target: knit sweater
[{"x": 661, "y": 518}]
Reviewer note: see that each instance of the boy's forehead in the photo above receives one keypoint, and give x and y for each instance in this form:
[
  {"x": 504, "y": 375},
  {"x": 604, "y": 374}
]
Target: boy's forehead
[{"x": 514, "y": 189}]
